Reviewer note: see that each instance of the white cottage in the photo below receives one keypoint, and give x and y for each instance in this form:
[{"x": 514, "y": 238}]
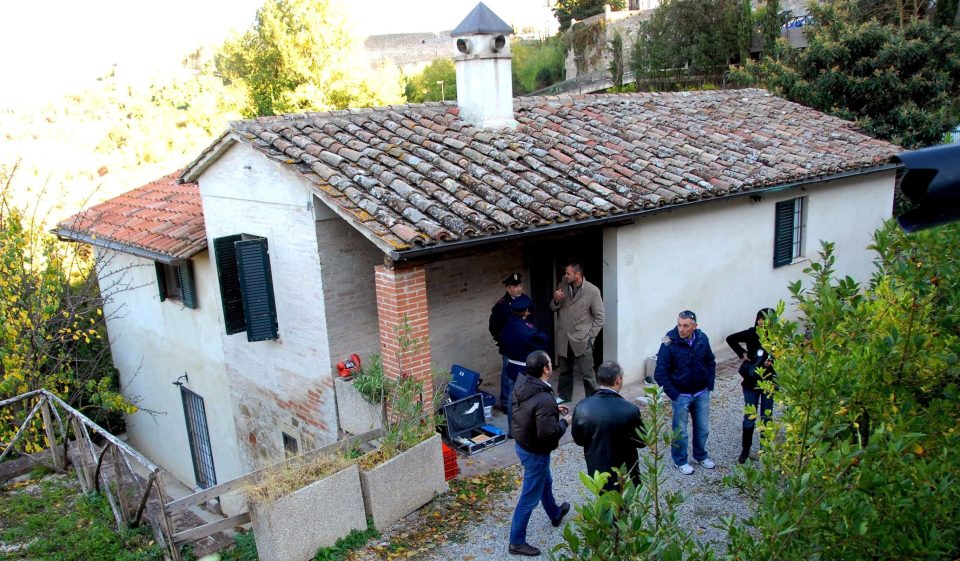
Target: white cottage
[{"x": 321, "y": 233}]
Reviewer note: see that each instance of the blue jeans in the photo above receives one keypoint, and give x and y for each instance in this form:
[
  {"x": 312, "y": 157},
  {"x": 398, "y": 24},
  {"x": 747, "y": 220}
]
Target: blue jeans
[
  {"x": 510, "y": 374},
  {"x": 537, "y": 488},
  {"x": 506, "y": 386},
  {"x": 698, "y": 408},
  {"x": 762, "y": 402}
]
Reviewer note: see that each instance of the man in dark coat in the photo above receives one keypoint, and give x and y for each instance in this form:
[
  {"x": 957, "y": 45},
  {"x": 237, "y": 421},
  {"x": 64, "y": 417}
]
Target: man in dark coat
[
  {"x": 606, "y": 425},
  {"x": 518, "y": 339},
  {"x": 499, "y": 315},
  {"x": 686, "y": 369},
  {"x": 537, "y": 428}
]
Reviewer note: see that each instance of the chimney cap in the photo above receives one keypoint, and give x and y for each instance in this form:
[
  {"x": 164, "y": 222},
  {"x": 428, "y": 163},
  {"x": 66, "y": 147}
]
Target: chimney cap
[{"x": 481, "y": 21}]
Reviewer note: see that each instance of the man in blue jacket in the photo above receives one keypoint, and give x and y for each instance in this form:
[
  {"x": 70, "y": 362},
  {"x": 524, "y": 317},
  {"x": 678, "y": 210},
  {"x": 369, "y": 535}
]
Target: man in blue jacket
[{"x": 686, "y": 370}]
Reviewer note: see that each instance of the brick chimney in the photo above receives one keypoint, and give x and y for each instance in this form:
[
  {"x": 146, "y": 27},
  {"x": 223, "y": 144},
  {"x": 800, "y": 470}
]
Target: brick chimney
[{"x": 484, "y": 81}]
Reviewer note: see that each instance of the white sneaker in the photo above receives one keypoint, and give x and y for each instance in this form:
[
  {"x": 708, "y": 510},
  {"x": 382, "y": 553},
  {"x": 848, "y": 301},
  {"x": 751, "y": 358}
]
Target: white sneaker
[
  {"x": 685, "y": 469},
  {"x": 707, "y": 463}
]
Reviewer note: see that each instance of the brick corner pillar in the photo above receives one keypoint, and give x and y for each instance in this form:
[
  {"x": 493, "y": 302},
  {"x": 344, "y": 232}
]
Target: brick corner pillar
[{"x": 402, "y": 302}]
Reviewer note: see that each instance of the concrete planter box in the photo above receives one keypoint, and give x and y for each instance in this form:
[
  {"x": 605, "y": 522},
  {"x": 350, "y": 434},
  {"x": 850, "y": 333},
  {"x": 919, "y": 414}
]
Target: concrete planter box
[
  {"x": 355, "y": 413},
  {"x": 403, "y": 484},
  {"x": 295, "y": 526}
]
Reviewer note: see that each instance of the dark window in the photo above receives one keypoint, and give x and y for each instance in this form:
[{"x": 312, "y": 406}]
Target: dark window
[
  {"x": 175, "y": 282},
  {"x": 246, "y": 286},
  {"x": 290, "y": 446},
  {"x": 201, "y": 452},
  {"x": 789, "y": 228}
]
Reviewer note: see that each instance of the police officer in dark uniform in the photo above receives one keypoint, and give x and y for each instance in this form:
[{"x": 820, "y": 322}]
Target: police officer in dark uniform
[
  {"x": 518, "y": 339},
  {"x": 499, "y": 315}
]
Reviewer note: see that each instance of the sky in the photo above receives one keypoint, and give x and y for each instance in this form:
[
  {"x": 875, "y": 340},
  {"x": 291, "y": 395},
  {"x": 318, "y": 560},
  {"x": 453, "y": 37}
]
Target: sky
[{"x": 52, "y": 47}]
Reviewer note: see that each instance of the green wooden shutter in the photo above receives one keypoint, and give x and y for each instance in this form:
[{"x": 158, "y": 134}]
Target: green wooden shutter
[
  {"x": 230, "y": 292},
  {"x": 161, "y": 280},
  {"x": 783, "y": 234},
  {"x": 188, "y": 290},
  {"x": 256, "y": 284}
]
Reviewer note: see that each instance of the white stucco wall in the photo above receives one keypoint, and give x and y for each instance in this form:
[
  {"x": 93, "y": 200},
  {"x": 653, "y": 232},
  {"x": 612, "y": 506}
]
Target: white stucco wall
[
  {"x": 283, "y": 385},
  {"x": 716, "y": 259},
  {"x": 154, "y": 343}
]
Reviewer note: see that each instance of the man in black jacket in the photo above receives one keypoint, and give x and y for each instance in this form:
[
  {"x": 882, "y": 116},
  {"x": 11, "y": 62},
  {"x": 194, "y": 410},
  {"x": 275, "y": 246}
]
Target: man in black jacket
[
  {"x": 537, "y": 429},
  {"x": 606, "y": 426}
]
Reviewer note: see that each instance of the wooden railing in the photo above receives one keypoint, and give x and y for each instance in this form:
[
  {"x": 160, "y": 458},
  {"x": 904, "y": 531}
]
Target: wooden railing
[{"x": 108, "y": 470}]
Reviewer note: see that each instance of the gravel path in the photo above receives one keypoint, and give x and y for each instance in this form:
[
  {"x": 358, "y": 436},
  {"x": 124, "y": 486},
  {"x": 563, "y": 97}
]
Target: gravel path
[{"x": 707, "y": 499}]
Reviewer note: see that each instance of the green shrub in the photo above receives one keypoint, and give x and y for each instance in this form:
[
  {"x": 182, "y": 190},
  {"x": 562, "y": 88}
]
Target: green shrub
[
  {"x": 864, "y": 462},
  {"x": 371, "y": 383},
  {"x": 639, "y": 522},
  {"x": 537, "y": 64}
]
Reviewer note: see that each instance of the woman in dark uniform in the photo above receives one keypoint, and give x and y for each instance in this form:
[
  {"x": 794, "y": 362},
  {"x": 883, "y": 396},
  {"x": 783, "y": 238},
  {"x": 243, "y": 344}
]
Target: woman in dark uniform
[{"x": 756, "y": 365}]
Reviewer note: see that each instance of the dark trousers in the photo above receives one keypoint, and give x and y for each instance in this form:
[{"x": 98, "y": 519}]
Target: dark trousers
[
  {"x": 763, "y": 406},
  {"x": 570, "y": 366}
]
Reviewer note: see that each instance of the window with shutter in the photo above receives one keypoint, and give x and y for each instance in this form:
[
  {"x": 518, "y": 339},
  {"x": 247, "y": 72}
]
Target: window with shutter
[
  {"x": 256, "y": 286},
  {"x": 188, "y": 290},
  {"x": 228, "y": 275},
  {"x": 789, "y": 226},
  {"x": 176, "y": 283}
]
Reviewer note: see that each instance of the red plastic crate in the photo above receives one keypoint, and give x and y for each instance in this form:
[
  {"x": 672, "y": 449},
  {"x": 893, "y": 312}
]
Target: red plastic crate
[{"x": 450, "y": 467}]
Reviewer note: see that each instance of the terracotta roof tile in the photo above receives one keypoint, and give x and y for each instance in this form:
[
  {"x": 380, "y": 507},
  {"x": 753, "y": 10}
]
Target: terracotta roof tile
[
  {"x": 417, "y": 175},
  {"x": 162, "y": 217}
]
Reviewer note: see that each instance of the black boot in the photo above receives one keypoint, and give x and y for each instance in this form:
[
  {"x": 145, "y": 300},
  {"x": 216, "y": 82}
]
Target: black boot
[{"x": 746, "y": 441}]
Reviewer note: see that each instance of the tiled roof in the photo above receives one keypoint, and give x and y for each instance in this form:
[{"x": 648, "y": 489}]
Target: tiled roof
[
  {"x": 162, "y": 220},
  {"x": 417, "y": 175}
]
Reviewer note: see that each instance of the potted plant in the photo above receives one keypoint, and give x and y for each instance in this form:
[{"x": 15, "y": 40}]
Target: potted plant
[
  {"x": 406, "y": 471},
  {"x": 291, "y": 506},
  {"x": 360, "y": 398}
]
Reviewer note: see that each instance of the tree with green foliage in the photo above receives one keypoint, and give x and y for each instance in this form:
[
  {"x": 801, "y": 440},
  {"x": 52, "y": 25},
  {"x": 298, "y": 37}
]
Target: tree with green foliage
[
  {"x": 425, "y": 87},
  {"x": 715, "y": 34},
  {"x": 948, "y": 13},
  {"x": 616, "y": 61},
  {"x": 296, "y": 58},
  {"x": 898, "y": 83},
  {"x": 53, "y": 333},
  {"x": 771, "y": 21},
  {"x": 865, "y": 460},
  {"x": 568, "y": 10}
]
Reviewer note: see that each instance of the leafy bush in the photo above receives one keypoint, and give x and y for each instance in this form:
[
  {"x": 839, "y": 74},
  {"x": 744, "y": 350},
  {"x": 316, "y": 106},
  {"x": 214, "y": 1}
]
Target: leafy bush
[
  {"x": 370, "y": 382},
  {"x": 865, "y": 460},
  {"x": 639, "y": 522}
]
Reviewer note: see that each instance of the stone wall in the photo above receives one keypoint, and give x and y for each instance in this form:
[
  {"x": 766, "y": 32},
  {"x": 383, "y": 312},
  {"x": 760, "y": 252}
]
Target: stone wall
[{"x": 410, "y": 51}]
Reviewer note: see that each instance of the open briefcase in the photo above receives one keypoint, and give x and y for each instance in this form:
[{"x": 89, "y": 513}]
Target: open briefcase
[{"x": 466, "y": 430}]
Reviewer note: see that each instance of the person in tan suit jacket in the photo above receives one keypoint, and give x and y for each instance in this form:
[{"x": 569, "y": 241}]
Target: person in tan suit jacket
[{"x": 579, "y": 309}]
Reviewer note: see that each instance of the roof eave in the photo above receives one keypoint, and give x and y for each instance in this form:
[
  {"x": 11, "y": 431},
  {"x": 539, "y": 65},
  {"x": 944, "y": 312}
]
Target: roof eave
[
  {"x": 206, "y": 158},
  {"x": 106, "y": 243},
  {"x": 420, "y": 252}
]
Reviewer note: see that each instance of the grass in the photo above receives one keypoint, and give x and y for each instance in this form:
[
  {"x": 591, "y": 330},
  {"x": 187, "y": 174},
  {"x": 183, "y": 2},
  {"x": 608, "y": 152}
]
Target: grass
[
  {"x": 60, "y": 524},
  {"x": 286, "y": 479}
]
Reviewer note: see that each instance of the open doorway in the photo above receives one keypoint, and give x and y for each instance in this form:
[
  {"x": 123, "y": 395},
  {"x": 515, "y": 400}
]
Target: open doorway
[{"x": 547, "y": 260}]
